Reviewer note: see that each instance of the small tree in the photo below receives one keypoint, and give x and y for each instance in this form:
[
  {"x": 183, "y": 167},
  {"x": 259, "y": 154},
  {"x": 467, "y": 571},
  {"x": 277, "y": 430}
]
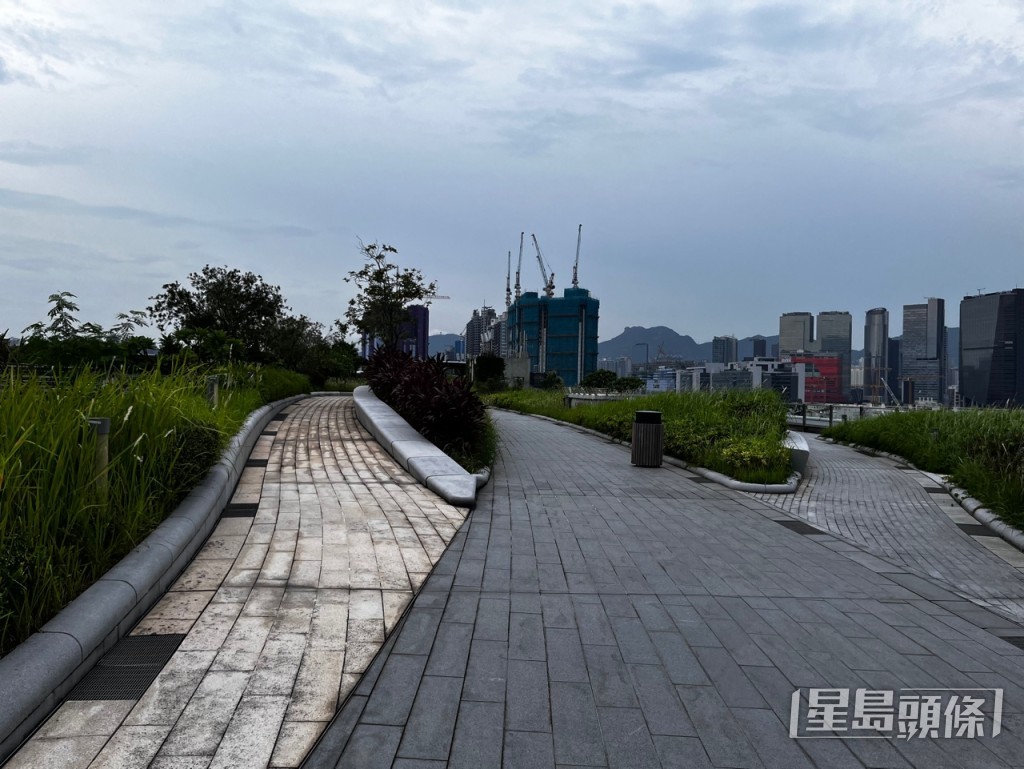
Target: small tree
[
  {"x": 601, "y": 378},
  {"x": 385, "y": 291}
]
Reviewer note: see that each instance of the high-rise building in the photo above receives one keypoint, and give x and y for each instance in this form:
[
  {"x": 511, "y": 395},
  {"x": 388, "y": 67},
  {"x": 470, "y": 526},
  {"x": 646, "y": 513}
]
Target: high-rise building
[
  {"x": 895, "y": 348},
  {"x": 414, "y": 332},
  {"x": 924, "y": 349},
  {"x": 992, "y": 349},
  {"x": 824, "y": 376},
  {"x": 760, "y": 347},
  {"x": 835, "y": 335},
  {"x": 876, "y": 355},
  {"x": 557, "y": 333},
  {"x": 724, "y": 349},
  {"x": 478, "y": 325},
  {"x": 796, "y": 332}
]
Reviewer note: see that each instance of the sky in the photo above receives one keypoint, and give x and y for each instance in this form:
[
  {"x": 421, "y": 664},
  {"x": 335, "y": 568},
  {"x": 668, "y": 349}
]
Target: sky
[{"x": 728, "y": 161}]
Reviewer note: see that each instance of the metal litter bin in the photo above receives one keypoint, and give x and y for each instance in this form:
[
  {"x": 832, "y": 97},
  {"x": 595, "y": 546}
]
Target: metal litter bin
[{"x": 648, "y": 439}]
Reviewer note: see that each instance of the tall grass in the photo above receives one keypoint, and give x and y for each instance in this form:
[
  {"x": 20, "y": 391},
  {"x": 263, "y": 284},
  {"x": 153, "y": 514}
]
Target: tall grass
[
  {"x": 981, "y": 450},
  {"x": 58, "y": 530},
  {"x": 736, "y": 433}
]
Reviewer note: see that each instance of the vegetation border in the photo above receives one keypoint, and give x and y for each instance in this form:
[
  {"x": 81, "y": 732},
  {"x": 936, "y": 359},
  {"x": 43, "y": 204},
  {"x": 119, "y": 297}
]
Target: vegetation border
[
  {"x": 970, "y": 505},
  {"x": 789, "y": 487},
  {"x": 38, "y": 673}
]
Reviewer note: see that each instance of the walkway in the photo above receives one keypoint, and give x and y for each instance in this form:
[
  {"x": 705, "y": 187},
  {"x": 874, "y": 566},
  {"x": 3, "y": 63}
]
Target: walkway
[
  {"x": 595, "y": 614},
  {"x": 903, "y": 514},
  {"x": 277, "y": 617}
]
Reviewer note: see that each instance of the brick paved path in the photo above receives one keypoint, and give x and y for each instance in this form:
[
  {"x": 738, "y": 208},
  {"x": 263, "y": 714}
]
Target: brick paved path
[
  {"x": 282, "y": 611},
  {"x": 595, "y": 614},
  {"x": 888, "y": 508}
]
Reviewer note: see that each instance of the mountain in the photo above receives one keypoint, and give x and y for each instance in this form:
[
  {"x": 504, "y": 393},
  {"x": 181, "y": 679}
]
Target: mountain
[
  {"x": 438, "y": 343},
  {"x": 662, "y": 340}
]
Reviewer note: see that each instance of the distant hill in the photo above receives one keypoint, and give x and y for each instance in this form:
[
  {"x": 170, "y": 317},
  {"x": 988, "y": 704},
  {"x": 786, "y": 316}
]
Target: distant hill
[
  {"x": 663, "y": 340},
  {"x": 438, "y": 343}
]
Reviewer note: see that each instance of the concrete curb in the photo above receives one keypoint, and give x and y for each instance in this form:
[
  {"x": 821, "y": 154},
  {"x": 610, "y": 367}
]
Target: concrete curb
[
  {"x": 971, "y": 505},
  {"x": 425, "y": 461},
  {"x": 41, "y": 671},
  {"x": 789, "y": 487}
]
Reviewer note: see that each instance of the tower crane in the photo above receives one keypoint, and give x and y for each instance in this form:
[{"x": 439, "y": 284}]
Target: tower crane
[
  {"x": 520, "y": 265},
  {"x": 508, "y": 288},
  {"x": 549, "y": 277},
  {"x": 576, "y": 265}
]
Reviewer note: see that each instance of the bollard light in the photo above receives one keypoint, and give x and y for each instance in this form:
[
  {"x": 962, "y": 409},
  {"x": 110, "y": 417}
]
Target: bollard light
[{"x": 100, "y": 427}]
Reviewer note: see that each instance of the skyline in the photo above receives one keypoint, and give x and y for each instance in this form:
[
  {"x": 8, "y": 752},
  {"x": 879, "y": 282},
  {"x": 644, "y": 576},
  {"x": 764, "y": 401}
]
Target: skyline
[{"x": 727, "y": 164}]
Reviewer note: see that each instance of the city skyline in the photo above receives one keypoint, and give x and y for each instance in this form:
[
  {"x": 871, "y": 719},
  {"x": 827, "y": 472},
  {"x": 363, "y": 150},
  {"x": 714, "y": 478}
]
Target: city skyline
[{"x": 727, "y": 163}]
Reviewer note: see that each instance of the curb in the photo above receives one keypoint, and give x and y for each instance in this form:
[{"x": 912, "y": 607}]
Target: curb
[
  {"x": 424, "y": 461},
  {"x": 970, "y": 505},
  {"x": 789, "y": 487},
  {"x": 38, "y": 673}
]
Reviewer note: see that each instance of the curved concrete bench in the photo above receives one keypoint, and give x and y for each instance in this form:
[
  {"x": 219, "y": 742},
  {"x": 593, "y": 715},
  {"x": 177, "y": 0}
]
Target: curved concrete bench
[
  {"x": 37, "y": 674},
  {"x": 799, "y": 451},
  {"x": 424, "y": 461}
]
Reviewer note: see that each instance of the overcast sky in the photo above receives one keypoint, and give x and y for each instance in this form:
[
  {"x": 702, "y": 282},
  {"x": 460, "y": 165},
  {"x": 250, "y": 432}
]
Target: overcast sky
[{"x": 728, "y": 161}]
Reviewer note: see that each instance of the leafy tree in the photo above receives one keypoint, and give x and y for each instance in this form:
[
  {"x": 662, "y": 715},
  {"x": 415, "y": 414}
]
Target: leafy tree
[
  {"x": 239, "y": 304},
  {"x": 626, "y": 383},
  {"x": 602, "y": 378},
  {"x": 385, "y": 291}
]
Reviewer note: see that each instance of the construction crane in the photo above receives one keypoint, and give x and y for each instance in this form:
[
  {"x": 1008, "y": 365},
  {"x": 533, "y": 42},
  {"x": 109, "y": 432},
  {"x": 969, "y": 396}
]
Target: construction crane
[
  {"x": 545, "y": 271},
  {"x": 576, "y": 265},
  {"x": 520, "y": 265},
  {"x": 508, "y": 287}
]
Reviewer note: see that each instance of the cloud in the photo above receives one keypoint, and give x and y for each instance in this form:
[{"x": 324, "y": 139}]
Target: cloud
[
  {"x": 30, "y": 154},
  {"x": 5, "y": 76},
  {"x": 53, "y": 204}
]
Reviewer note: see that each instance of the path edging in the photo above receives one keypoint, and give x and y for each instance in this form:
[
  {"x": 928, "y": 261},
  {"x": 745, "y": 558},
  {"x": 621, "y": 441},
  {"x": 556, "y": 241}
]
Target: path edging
[
  {"x": 789, "y": 487},
  {"x": 40, "y": 672},
  {"x": 421, "y": 458},
  {"x": 971, "y": 505}
]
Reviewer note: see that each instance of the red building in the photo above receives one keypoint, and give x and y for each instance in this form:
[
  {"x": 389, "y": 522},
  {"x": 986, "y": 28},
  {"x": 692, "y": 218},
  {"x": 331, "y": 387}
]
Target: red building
[{"x": 824, "y": 382}]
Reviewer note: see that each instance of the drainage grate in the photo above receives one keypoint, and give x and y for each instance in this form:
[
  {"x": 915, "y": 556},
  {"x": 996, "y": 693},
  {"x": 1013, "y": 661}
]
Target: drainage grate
[
  {"x": 935, "y": 489},
  {"x": 241, "y": 510},
  {"x": 278, "y": 417},
  {"x": 256, "y": 463},
  {"x": 800, "y": 527},
  {"x": 127, "y": 670},
  {"x": 976, "y": 530},
  {"x": 701, "y": 479},
  {"x": 269, "y": 432}
]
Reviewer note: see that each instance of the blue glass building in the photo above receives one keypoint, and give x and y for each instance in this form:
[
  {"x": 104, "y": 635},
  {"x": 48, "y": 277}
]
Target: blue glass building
[{"x": 557, "y": 333}]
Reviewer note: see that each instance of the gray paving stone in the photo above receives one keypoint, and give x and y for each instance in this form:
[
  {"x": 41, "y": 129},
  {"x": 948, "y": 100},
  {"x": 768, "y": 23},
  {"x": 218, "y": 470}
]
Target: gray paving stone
[
  {"x": 565, "y": 655},
  {"x": 528, "y": 750},
  {"x": 678, "y": 659},
  {"x": 576, "y": 726},
  {"x": 492, "y": 619},
  {"x": 395, "y": 690},
  {"x": 371, "y": 747},
  {"x": 526, "y": 697},
  {"x": 526, "y": 637},
  {"x": 771, "y": 740},
  {"x": 729, "y": 679},
  {"x": 486, "y": 672},
  {"x": 428, "y": 733},
  {"x": 418, "y": 631},
  {"x": 681, "y": 753},
  {"x": 626, "y": 739},
  {"x": 659, "y": 702},
  {"x": 478, "y": 736},
  {"x": 721, "y": 735}
]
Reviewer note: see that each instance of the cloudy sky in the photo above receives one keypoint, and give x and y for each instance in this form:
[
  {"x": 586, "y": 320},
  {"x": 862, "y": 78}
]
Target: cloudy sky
[{"x": 728, "y": 161}]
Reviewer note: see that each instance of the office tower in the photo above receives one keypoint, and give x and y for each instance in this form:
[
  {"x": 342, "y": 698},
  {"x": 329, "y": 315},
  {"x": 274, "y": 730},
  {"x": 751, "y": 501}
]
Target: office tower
[
  {"x": 476, "y": 329},
  {"x": 413, "y": 333},
  {"x": 876, "y": 355},
  {"x": 796, "y": 332},
  {"x": 992, "y": 349},
  {"x": 923, "y": 353},
  {"x": 835, "y": 335},
  {"x": 760, "y": 347},
  {"x": 724, "y": 349}
]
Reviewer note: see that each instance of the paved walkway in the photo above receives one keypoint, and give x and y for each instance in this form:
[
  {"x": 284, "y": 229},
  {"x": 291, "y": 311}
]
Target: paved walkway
[
  {"x": 595, "y": 614},
  {"x": 589, "y": 614},
  {"x": 905, "y": 515},
  {"x": 290, "y": 599}
]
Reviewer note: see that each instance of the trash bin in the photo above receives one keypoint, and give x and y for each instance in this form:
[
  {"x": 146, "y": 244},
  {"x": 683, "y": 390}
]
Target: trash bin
[{"x": 648, "y": 439}]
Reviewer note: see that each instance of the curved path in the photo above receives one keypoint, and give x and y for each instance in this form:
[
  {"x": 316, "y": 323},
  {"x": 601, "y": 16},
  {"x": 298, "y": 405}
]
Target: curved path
[
  {"x": 595, "y": 614},
  {"x": 319, "y": 554},
  {"x": 903, "y": 514}
]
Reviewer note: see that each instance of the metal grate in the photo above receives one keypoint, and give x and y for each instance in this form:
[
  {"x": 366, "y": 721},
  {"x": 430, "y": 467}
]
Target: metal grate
[
  {"x": 127, "y": 670},
  {"x": 256, "y": 463},
  {"x": 976, "y": 530},
  {"x": 279, "y": 417},
  {"x": 701, "y": 479},
  {"x": 241, "y": 510},
  {"x": 935, "y": 489},
  {"x": 800, "y": 527},
  {"x": 269, "y": 432}
]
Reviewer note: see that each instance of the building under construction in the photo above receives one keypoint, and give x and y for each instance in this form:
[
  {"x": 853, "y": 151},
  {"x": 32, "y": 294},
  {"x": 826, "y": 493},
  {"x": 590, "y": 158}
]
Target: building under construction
[{"x": 556, "y": 334}]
